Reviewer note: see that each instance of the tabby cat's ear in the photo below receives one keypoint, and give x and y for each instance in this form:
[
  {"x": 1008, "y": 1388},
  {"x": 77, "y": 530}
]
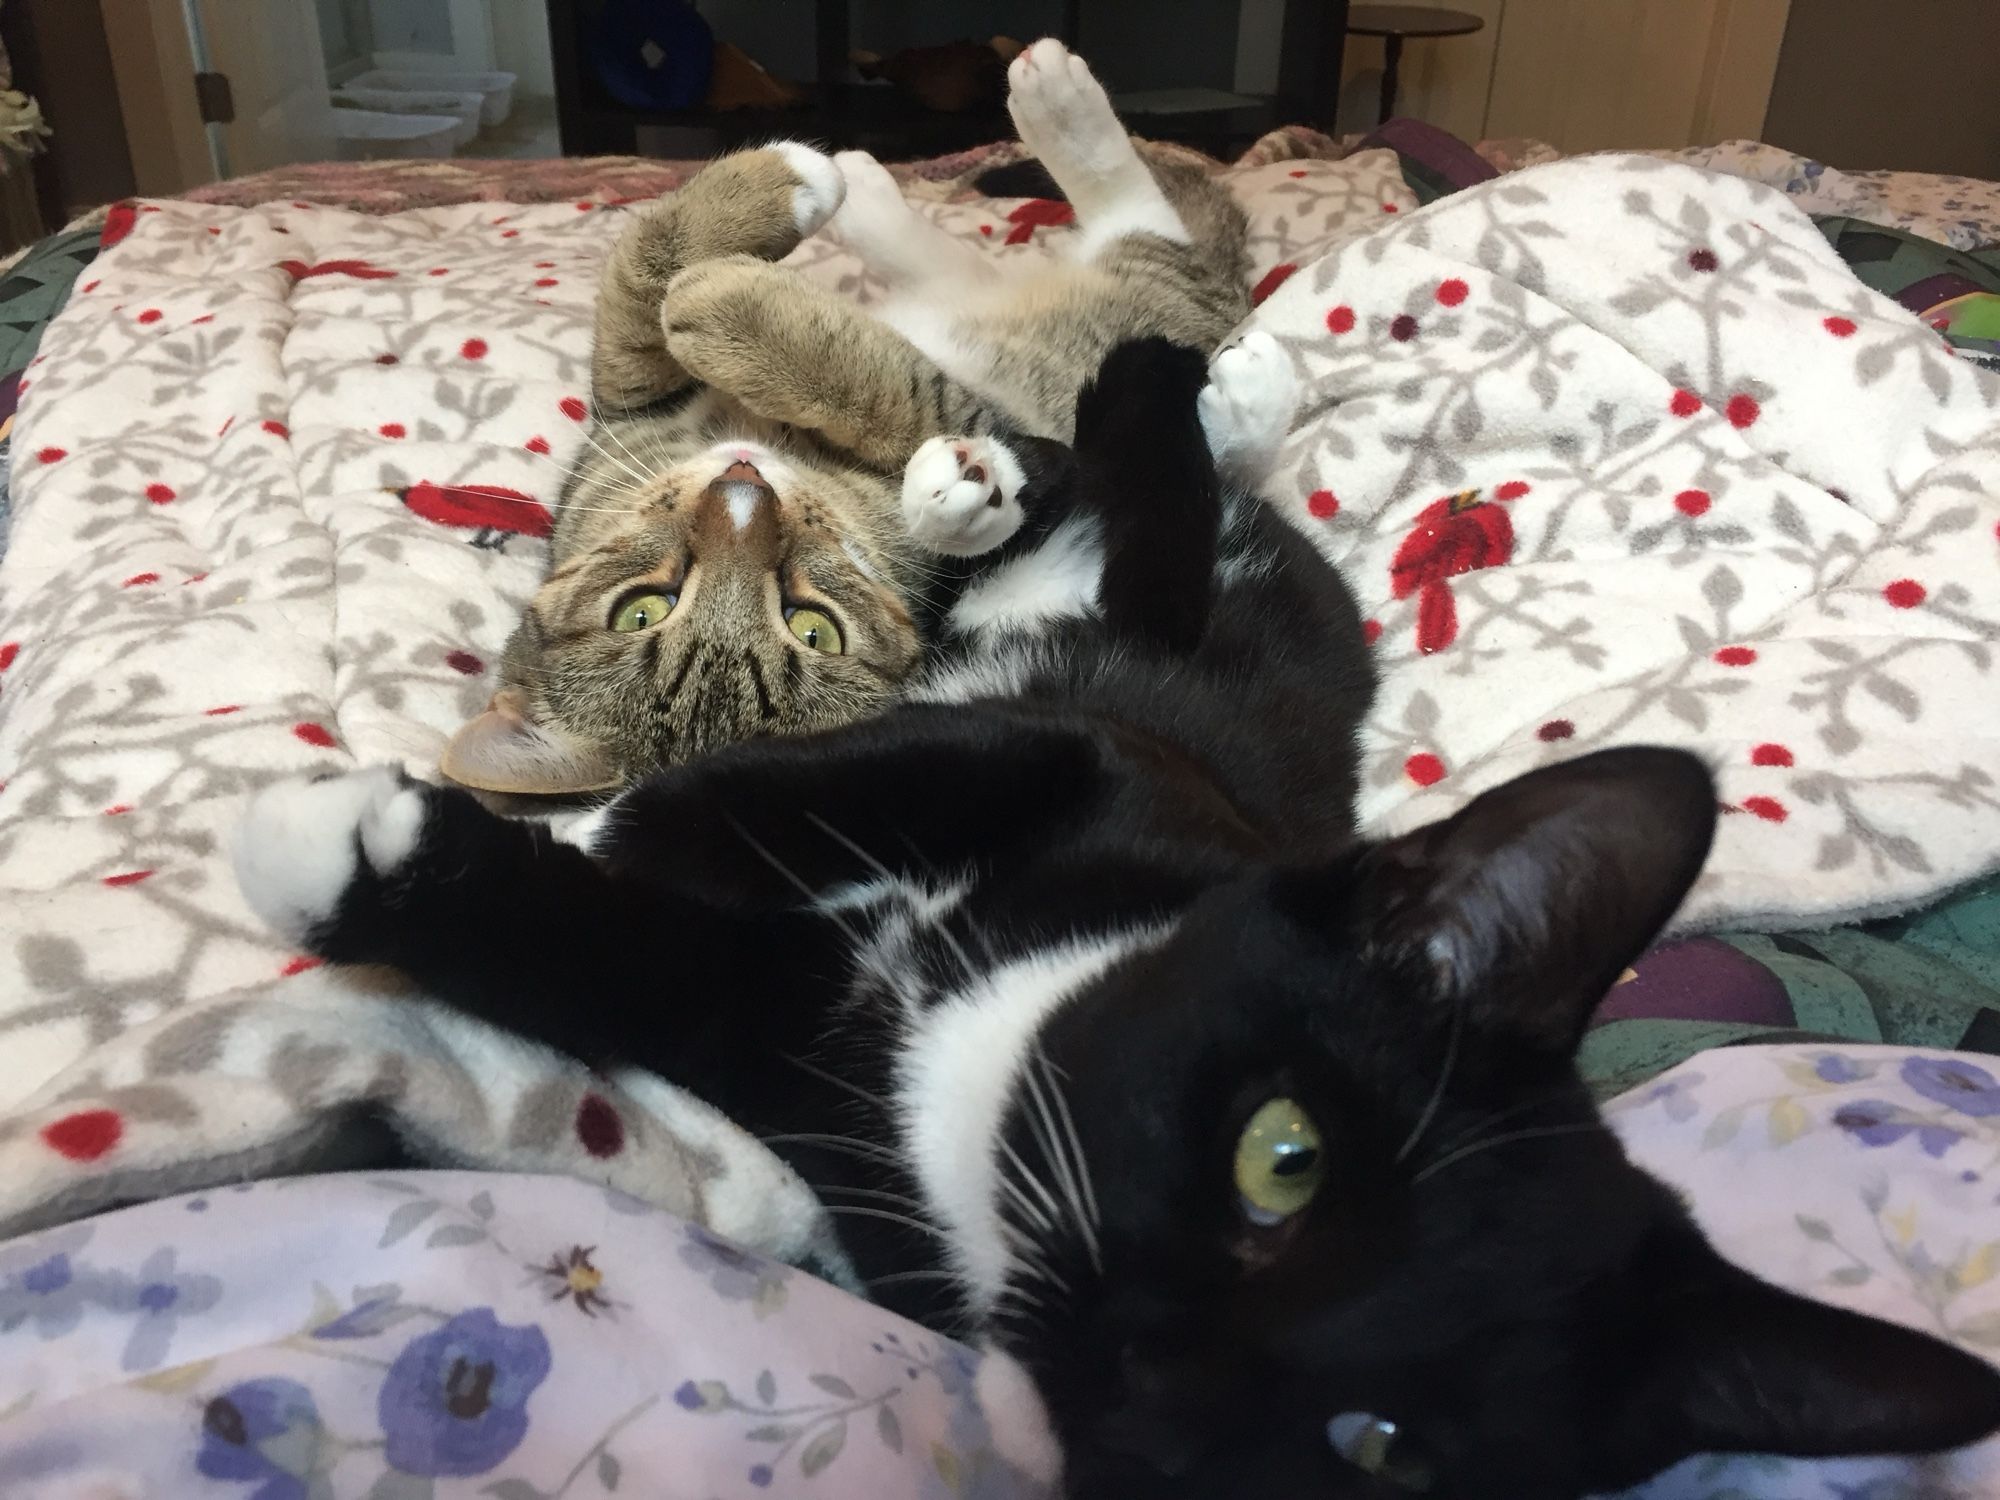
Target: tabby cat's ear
[
  {"x": 1735, "y": 1365},
  {"x": 1529, "y": 901},
  {"x": 505, "y": 750}
]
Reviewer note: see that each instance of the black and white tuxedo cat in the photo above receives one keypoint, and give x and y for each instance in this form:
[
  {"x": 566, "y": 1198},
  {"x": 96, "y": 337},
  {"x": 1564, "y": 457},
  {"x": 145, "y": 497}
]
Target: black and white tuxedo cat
[{"x": 1256, "y": 1150}]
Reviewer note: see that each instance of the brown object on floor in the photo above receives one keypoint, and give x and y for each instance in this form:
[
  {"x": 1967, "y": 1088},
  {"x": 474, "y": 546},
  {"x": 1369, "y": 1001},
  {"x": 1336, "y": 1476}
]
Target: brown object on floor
[
  {"x": 951, "y": 79},
  {"x": 741, "y": 82}
]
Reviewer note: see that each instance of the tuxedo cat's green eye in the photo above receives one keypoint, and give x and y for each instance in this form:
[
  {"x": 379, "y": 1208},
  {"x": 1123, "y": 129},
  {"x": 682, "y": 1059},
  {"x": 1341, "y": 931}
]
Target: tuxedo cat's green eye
[
  {"x": 816, "y": 628},
  {"x": 1377, "y": 1446},
  {"x": 1279, "y": 1162},
  {"x": 641, "y": 611}
]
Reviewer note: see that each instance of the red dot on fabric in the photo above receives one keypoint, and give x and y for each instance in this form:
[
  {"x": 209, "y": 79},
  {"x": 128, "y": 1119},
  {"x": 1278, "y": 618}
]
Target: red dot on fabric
[
  {"x": 1770, "y": 809},
  {"x": 1341, "y": 319},
  {"x": 277, "y": 429},
  {"x": 1390, "y": 208},
  {"x": 1905, "y": 593},
  {"x": 193, "y": 578},
  {"x": 1424, "y": 769},
  {"x": 392, "y": 430},
  {"x": 1297, "y": 173},
  {"x": 227, "y": 708},
  {"x": 130, "y": 877},
  {"x": 574, "y": 409},
  {"x": 1323, "y": 504},
  {"x": 213, "y": 230},
  {"x": 1685, "y": 404},
  {"x": 545, "y": 265},
  {"x": 537, "y": 445},
  {"x": 1513, "y": 489},
  {"x": 205, "y": 318},
  {"x": 439, "y": 271},
  {"x": 1736, "y": 656},
  {"x": 300, "y": 965},
  {"x": 1452, "y": 292},
  {"x": 1371, "y": 631},
  {"x": 1555, "y": 729},
  {"x": 151, "y": 315},
  {"x": 598, "y": 1127},
  {"x": 116, "y": 808},
  {"x": 547, "y": 281},
  {"x": 473, "y": 348},
  {"x": 1403, "y": 329},
  {"x": 510, "y": 234},
  {"x": 52, "y": 455},
  {"x": 1742, "y": 410},
  {"x": 91, "y": 286},
  {"x": 85, "y": 1135},
  {"x": 138, "y": 579},
  {"x": 1692, "y": 502},
  {"x": 314, "y": 734},
  {"x": 585, "y": 206},
  {"x": 1703, "y": 259},
  {"x": 387, "y": 359},
  {"x": 987, "y": 230},
  {"x": 1770, "y": 755},
  {"x": 160, "y": 494},
  {"x": 1840, "y": 328},
  {"x": 8, "y": 652},
  {"x": 464, "y": 661}
]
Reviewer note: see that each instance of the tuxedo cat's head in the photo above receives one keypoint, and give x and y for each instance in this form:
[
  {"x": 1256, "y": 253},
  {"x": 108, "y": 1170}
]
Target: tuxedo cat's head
[
  {"x": 1320, "y": 1207},
  {"x": 735, "y": 594}
]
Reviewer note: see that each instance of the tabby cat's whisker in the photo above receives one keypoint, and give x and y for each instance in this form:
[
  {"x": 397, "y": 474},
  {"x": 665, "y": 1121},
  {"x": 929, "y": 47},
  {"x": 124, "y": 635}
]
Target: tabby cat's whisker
[
  {"x": 1541, "y": 1132},
  {"x": 611, "y": 458}
]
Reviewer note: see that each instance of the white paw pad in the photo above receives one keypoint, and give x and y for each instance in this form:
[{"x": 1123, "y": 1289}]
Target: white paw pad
[
  {"x": 820, "y": 189},
  {"x": 961, "y": 495},
  {"x": 1053, "y": 95},
  {"x": 297, "y": 849},
  {"x": 1248, "y": 405}
]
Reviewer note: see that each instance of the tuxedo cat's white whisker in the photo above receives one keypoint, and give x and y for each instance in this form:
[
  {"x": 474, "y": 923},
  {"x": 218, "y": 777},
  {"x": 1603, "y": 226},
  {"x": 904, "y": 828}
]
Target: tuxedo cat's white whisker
[
  {"x": 1481, "y": 1126},
  {"x": 1028, "y": 1256},
  {"x": 1050, "y": 1071},
  {"x": 1541, "y": 1132},
  {"x": 837, "y": 1081},
  {"x": 879, "y": 1195},
  {"x": 1436, "y": 1100},
  {"x": 888, "y": 1216},
  {"x": 852, "y": 1145},
  {"x": 792, "y": 878},
  {"x": 1053, "y": 1147},
  {"x": 1027, "y": 1207},
  {"x": 895, "y": 1278},
  {"x": 1028, "y": 1175}
]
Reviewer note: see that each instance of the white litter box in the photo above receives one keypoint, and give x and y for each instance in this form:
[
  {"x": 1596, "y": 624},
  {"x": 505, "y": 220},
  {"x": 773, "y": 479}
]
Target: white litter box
[
  {"x": 496, "y": 90},
  {"x": 368, "y": 135},
  {"x": 462, "y": 107}
]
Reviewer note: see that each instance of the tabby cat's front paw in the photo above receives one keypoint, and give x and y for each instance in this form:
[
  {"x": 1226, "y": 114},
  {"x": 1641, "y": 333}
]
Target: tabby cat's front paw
[
  {"x": 1247, "y": 407},
  {"x": 821, "y": 185},
  {"x": 961, "y": 495},
  {"x": 302, "y": 844}
]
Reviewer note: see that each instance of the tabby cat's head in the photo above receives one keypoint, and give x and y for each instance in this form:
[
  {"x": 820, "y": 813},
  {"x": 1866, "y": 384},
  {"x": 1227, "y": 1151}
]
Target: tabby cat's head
[
  {"x": 1322, "y": 1211},
  {"x": 738, "y": 594}
]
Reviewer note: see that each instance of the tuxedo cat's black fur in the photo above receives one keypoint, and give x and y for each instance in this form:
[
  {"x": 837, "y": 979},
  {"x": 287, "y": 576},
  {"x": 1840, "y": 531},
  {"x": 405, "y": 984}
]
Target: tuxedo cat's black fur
[{"x": 1037, "y": 963}]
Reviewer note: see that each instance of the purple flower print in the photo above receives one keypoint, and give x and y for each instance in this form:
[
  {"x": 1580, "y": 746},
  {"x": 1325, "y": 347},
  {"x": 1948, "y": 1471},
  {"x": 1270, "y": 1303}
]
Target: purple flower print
[
  {"x": 1833, "y": 1068},
  {"x": 1954, "y": 1083},
  {"x": 262, "y": 1432},
  {"x": 735, "y": 1273},
  {"x": 1876, "y": 1122},
  {"x": 159, "y": 1296},
  {"x": 456, "y": 1399}
]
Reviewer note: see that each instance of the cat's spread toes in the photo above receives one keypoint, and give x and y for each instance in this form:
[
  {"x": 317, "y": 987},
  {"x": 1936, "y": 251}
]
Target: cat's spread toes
[
  {"x": 1059, "y": 107},
  {"x": 961, "y": 495},
  {"x": 821, "y": 185},
  {"x": 301, "y": 843},
  {"x": 1248, "y": 405}
]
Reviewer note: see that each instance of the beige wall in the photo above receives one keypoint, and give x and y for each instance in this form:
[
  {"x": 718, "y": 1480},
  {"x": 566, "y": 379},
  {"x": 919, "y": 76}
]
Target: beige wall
[{"x": 1868, "y": 83}]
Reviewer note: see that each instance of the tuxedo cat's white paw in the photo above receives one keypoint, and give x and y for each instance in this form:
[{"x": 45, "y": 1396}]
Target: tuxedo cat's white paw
[
  {"x": 820, "y": 189},
  {"x": 301, "y": 842},
  {"x": 1247, "y": 406},
  {"x": 961, "y": 495}
]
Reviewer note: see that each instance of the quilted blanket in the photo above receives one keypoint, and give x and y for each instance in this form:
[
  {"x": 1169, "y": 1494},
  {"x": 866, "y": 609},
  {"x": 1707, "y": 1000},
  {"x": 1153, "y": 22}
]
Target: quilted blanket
[{"x": 1610, "y": 450}]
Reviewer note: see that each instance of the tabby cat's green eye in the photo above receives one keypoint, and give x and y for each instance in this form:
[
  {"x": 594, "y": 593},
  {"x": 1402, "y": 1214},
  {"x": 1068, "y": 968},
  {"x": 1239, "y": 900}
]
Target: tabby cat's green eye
[
  {"x": 816, "y": 628},
  {"x": 641, "y": 612},
  {"x": 1279, "y": 1162}
]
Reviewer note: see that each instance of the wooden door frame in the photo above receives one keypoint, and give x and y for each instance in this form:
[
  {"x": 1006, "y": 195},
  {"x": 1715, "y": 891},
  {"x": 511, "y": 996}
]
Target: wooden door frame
[
  {"x": 153, "y": 63},
  {"x": 1744, "y": 41}
]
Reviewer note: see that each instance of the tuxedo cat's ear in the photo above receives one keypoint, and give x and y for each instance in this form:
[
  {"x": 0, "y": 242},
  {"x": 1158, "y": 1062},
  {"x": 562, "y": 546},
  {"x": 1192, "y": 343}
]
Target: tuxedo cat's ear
[
  {"x": 1529, "y": 902},
  {"x": 1739, "y": 1366},
  {"x": 505, "y": 750}
]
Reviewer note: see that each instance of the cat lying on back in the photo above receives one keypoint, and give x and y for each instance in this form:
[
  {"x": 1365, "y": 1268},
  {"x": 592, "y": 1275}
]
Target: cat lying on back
[
  {"x": 730, "y": 555},
  {"x": 1255, "y": 1154}
]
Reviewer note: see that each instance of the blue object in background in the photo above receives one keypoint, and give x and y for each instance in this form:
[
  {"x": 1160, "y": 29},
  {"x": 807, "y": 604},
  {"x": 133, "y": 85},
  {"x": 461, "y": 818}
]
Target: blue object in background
[{"x": 653, "y": 54}]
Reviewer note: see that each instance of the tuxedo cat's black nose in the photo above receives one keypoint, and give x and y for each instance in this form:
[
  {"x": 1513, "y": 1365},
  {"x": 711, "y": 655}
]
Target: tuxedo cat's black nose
[{"x": 1158, "y": 1415}]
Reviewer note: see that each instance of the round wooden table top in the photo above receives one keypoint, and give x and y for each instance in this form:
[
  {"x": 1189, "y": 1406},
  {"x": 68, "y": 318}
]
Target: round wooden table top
[{"x": 1409, "y": 20}]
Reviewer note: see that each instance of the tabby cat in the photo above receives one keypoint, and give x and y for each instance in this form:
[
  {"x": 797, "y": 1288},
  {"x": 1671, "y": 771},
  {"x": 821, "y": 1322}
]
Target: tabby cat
[
  {"x": 1254, "y": 1155},
  {"x": 731, "y": 556}
]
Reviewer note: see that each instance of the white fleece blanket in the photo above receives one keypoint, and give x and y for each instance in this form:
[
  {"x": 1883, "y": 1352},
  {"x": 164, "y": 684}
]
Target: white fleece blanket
[{"x": 1611, "y": 450}]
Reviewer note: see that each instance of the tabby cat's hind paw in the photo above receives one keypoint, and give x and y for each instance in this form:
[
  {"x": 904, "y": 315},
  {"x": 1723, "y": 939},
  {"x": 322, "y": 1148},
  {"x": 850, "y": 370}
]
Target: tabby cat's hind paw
[
  {"x": 1247, "y": 407},
  {"x": 302, "y": 844},
  {"x": 1063, "y": 114},
  {"x": 821, "y": 186},
  {"x": 961, "y": 495}
]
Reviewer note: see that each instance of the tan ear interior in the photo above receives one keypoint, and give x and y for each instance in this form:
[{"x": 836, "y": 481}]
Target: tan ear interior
[{"x": 504, "y": 750}]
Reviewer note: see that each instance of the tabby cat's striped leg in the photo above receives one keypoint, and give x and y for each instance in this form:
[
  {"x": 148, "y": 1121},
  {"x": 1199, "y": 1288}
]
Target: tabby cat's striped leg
[
  {"x": 758, "y": 203},
  {"x": 792, "y": 351},
  {"x": 1065, "y": 118},
  {"x": 894, "y": 241}
]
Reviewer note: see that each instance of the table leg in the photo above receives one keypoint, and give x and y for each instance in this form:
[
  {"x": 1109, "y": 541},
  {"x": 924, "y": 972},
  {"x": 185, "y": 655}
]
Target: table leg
[{"x": 1392, "y": 59}]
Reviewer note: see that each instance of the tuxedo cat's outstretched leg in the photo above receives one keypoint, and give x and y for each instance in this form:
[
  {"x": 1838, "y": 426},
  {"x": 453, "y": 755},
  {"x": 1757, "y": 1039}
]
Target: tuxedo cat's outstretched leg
[
  {"x": 1065, "y": 118},
  {"x": 759, "y": 203},
  {"x": 896, "y": 242}
]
